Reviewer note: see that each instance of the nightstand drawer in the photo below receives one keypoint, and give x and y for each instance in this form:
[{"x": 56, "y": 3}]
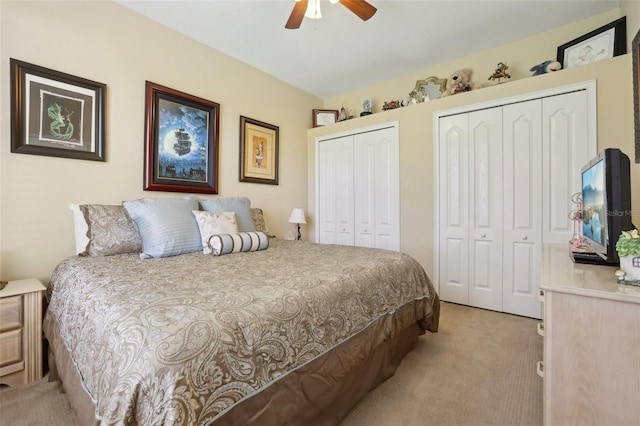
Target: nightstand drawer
[
  {"x": 10, "y": 313},
  {"x": 10, "y": 347}
]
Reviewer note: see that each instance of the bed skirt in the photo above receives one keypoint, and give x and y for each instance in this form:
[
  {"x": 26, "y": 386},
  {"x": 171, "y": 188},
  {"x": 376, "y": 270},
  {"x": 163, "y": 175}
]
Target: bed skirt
[{"x": 321, "y": 392}]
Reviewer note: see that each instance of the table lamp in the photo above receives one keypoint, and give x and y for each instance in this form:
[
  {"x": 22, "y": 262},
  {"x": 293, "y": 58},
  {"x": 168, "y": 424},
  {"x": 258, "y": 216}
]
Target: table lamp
[{"x": 297, "y": 217}]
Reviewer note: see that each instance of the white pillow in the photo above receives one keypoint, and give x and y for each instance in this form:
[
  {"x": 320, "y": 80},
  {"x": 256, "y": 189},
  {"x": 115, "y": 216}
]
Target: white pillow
[
  {"x": 214, "y": 223},
  {"x": 80, "y": 229}
]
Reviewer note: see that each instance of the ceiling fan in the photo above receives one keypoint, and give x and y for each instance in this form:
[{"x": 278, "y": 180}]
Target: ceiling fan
[{"x": 311, "y": 9}]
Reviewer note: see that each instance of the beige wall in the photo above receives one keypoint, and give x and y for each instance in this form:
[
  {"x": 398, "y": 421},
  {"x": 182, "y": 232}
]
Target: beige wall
[
  {"x": 108, "y": 43},
  {"x": 615, "y": 120}
]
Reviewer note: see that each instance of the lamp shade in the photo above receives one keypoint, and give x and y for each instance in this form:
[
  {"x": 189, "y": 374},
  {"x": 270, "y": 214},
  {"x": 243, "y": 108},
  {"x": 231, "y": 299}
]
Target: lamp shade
[{"x": 297, "y": 216}]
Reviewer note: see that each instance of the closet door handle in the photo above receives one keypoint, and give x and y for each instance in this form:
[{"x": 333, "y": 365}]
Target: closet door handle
[
  {"x": 483, "y": 235},
  {"x": 541, "y": 295},
  {"x": 525, "y": 238}
]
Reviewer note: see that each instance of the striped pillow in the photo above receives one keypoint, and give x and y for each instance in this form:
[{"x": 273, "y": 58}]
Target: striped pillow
[
  {"x": 234, "y": 243},
  {"x": 241, "y": 206},
  {"x": 166, "y": 225}
]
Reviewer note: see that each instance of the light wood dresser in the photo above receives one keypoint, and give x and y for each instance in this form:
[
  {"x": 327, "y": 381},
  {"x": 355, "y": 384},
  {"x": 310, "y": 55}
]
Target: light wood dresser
[
  {"x": 21, "y": 332},
  {"x": 591, "y": 330}
]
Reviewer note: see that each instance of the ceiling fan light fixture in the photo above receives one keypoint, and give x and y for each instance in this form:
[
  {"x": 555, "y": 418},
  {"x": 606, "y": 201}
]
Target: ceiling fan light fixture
[
  {"x": 334, "y": 1},
  {"x": 313, "y": 10}
]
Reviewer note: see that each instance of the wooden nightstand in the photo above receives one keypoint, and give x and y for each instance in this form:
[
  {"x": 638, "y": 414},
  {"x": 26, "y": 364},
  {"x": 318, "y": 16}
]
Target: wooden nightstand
[{"x": 21, "y": 332}]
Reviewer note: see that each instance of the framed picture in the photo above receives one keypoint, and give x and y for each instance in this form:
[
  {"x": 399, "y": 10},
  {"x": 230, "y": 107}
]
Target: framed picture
[
  {"x": 181, "y": 137},
  {"x": 635, "y": 54},
  {"x": 56, "y": 114},
  {"x": 258, "y": 151},
  {"x": 605, "y": 42},
  {"x": 323, "y": 117}
]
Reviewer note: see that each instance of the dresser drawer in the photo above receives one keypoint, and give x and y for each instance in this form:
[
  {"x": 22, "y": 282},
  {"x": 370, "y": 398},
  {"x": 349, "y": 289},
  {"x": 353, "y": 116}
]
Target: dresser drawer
[
  {"x": 10, "y": 347},
  {"x": 10, "y": 313}
]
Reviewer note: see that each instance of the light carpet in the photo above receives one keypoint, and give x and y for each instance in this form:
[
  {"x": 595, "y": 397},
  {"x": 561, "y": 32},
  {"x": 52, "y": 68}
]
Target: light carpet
[{"x": 479, "y": 369}]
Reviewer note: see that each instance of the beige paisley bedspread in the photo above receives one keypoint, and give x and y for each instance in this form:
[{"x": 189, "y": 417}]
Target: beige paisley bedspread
[{"x": 180, "y": 340}]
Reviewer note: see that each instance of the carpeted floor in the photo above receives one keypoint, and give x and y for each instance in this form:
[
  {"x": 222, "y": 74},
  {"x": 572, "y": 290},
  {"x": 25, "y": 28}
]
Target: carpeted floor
[{"x": 479, "y": 369}]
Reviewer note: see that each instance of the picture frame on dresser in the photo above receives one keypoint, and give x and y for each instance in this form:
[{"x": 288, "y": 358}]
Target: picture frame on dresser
[
  {"x": 605, "y": 42},
  {"x": 56, "y": 114},
  {"x": 181, "y": 141},
  {"x": 258, "y": 151}
]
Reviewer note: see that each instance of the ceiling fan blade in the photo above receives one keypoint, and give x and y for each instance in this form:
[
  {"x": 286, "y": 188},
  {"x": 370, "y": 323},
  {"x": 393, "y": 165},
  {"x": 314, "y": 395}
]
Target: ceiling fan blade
[
  {"x": 295, "y": 19},
  {"x": 360, "y": 7}
]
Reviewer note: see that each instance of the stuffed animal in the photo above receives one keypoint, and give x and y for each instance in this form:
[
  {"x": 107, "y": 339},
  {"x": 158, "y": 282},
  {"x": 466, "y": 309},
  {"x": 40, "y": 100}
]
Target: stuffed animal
[
  {"x": 460, "y": 81},
  {"x": 500, "y": 72},
  {"x": 545, "y": 67}
]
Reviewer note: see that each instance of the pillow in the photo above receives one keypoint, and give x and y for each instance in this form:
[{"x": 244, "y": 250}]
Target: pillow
[
  {"x": 103, "y": 230},
  {"x": 239, "y": 242},
  {"x": 211, "y": 223},
  {"x": 166, "y": 225},
  {"x": 257, "y": 217},
  {"x": 241, "y": 206}
]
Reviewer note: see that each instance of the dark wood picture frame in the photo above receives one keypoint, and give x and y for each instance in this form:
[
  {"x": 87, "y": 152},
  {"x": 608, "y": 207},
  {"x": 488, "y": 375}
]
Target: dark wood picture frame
[
  {"x": 581, "y": 50},
  {"x": 324, "y": 117},
  {"x": 181, "y": 141},
  {"x": 259, "y": 146},
  {"x": 635, "y": 52},
  {"x": 56, "y": 114}
]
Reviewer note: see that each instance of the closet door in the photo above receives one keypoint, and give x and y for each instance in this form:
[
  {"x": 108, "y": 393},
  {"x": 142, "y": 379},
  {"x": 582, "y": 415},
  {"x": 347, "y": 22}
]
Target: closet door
[
  {"x": 485, "y": 208},
  {"x": 335, "y": 191},
  {"x": 522, "y": 208},
  {"x": 453, "y": 205},
  {"x": 567, "y": 146},
  {"x": 376, "y": 189}
]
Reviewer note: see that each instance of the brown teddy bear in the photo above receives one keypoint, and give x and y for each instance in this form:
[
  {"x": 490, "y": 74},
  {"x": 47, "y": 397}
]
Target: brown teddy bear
[{"x": 460, "y": 81}]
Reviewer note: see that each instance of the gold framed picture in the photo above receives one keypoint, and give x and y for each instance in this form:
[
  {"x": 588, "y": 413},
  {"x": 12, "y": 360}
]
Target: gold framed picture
[{"x": 258, "y": 151}]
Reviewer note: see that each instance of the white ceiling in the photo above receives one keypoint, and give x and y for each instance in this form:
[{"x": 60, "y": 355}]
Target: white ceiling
[{"x": 340, "y": 53}]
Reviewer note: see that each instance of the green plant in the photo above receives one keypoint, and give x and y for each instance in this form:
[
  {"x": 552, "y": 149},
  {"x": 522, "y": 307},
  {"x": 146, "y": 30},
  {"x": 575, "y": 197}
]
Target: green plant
[{"x": 629, "y": 243}]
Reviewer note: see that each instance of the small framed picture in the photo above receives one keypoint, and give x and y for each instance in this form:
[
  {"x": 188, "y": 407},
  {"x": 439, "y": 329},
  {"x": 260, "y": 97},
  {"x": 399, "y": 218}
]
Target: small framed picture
[
  {"x": 258, "y": 151},
  {"x": 602, "y": 43},
  {"x": 56, "y": 114},
  {"x": 367, "y": 107},
  {"x": 323, "y": 117}
]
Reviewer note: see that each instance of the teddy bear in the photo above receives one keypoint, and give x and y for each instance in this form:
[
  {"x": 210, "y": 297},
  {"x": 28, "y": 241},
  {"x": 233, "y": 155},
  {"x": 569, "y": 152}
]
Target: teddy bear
[{"x": 460, "y": 81}]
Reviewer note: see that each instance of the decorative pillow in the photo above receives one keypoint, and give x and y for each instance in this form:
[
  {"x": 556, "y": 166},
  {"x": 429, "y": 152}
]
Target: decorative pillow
[
  {"x": 103, "y": 230},
  {"x": 241, "y": 206},
  {"x": 166, "y": 225},
  {"x": 257, "y": 218},
  {"x": 212, "y": 223},
  {"x": 234, "y": 243}
]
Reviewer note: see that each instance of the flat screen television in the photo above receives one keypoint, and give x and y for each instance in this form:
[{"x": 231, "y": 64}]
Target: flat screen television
[{"x": 606, "y": 200}]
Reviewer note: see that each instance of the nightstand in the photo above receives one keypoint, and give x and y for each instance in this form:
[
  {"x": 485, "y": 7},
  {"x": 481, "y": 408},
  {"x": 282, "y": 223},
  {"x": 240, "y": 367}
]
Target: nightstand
[{"x": 21, "y": 332}]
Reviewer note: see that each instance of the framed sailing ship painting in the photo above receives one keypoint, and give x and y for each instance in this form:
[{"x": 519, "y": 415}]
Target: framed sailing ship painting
[
  {"x": 181, "y": 137},
  {"x": 56, "y": 114}
]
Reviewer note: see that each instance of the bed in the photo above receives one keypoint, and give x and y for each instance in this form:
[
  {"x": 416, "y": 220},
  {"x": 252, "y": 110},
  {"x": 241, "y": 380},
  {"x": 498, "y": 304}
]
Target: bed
[{"x": 294, "y": 333}]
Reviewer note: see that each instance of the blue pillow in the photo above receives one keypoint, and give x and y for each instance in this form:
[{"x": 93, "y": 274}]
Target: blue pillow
[
  {"x": 166, "y": 225},
  {"x": 241, "y": 206}
]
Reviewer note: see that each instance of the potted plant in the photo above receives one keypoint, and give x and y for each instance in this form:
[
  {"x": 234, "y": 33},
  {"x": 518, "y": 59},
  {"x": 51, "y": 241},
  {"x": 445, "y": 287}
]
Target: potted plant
[{"x": 628, "y": 248}]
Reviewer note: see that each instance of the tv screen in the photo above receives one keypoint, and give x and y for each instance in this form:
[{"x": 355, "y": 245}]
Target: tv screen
[
  {"x": 606, "y": 199},
  {"x": 593, "y": 201}
]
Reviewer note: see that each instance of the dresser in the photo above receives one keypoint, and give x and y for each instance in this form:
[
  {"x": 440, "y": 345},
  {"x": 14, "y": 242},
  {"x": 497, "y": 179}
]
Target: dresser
[
  {"x": 591, "y": 334},
  {"x": 21, "y": 332}
]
